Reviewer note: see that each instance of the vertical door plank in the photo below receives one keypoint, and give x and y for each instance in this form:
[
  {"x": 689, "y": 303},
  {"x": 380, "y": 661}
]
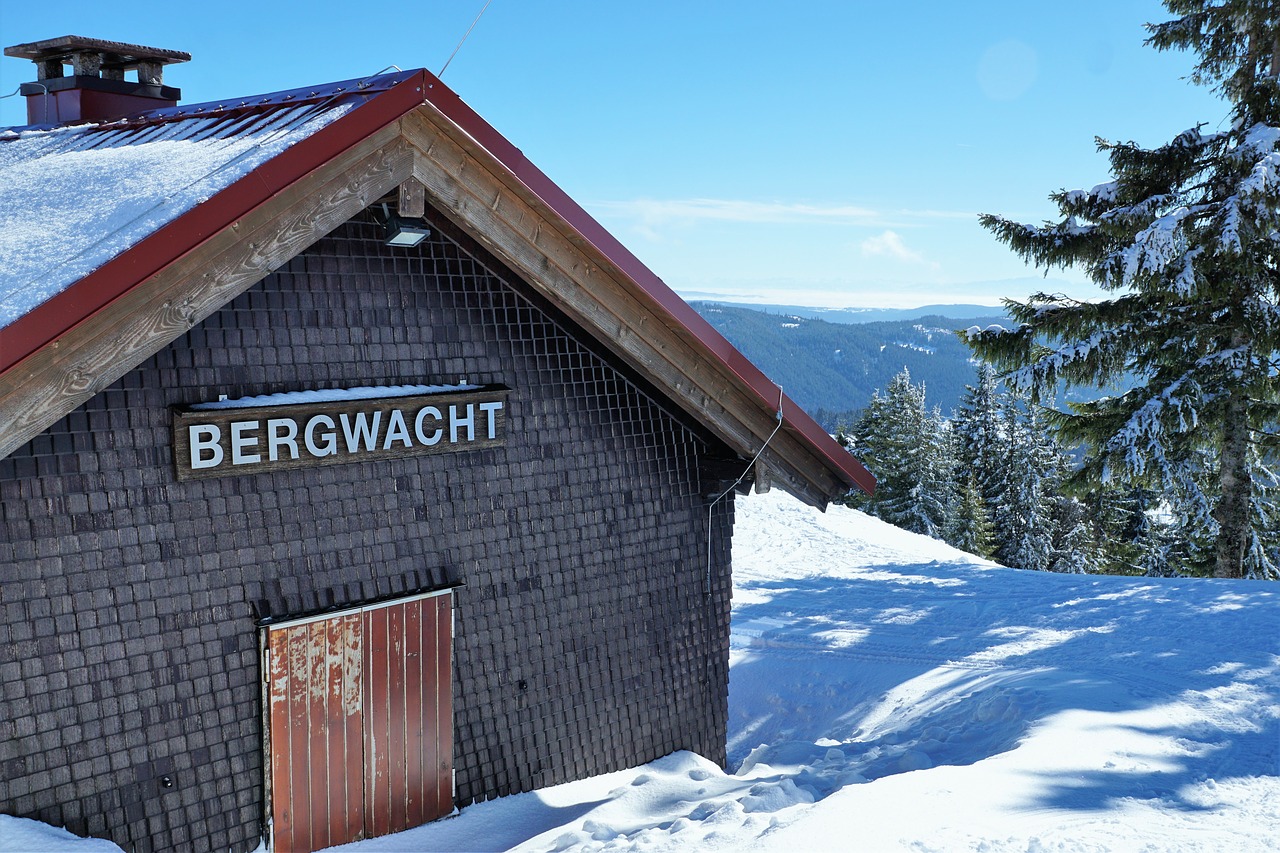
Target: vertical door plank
[
  {"x": 317, "y": 683},
  {"x": 431, "y": 711},
  {"x": 278, "y": 697},
  {"x": 353, "y": 703},
  {"x": 377, "y": 795},
  {"x": 343, "y": 712},
  {"x": 396, "y": 718},
  {"x": 444, "y": 703},
  {"x": 335, "y": 733},
  {"x": 413, "y": 717},
  {"x": 299, "y": 737}
]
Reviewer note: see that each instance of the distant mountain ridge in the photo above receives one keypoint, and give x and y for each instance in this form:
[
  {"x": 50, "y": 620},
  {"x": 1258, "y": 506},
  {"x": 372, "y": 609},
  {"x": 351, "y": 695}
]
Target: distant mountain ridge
[
  {"x": 832, "y": 367},
  {"x": 867, "y": 315}
]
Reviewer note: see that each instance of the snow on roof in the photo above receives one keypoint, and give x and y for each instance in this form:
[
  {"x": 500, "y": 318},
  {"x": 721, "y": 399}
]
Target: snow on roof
[
  {"x": 334, "y": 395},
  {"x": 72, "y": 198}
]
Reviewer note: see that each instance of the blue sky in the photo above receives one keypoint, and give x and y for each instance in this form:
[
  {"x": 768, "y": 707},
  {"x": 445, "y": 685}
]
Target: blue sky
[{"x": 816, "y": 153}]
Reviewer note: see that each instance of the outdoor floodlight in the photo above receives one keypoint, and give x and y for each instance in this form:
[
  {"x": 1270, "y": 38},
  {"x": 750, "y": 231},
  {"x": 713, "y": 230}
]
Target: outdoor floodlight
[{"x": 404, "y": 232}]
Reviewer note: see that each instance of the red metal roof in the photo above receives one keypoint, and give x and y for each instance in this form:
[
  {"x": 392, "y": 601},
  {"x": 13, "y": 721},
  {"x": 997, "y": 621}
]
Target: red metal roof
[{"x": 382, "y": 100}]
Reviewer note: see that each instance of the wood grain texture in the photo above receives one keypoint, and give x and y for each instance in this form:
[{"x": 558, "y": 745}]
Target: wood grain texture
[
  {"x": 443, "y": 704},
  {"x": 413, "y": 199},
  {"x": 54, "y": 381}
]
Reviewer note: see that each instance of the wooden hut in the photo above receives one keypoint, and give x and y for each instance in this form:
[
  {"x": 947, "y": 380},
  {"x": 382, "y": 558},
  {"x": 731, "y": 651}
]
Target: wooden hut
[{"x": 348, "y": 469}]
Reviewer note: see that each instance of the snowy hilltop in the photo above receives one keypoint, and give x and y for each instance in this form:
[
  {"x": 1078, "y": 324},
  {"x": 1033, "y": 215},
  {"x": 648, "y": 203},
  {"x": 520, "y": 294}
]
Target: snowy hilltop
[{"x": 889, "y": 692}]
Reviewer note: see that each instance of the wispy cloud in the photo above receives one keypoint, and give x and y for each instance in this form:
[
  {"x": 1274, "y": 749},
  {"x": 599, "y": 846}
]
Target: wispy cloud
[
  {"x": 889, "y": 244},
  {"x": 657, "y": 212}
]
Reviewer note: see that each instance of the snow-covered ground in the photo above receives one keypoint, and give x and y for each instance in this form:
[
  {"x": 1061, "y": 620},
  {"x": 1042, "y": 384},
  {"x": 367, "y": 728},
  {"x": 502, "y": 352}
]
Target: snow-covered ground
[{"x": 888, "y": 692}]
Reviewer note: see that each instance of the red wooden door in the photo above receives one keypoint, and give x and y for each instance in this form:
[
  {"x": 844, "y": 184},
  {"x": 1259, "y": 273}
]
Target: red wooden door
[{"x": 360, "y": 723}]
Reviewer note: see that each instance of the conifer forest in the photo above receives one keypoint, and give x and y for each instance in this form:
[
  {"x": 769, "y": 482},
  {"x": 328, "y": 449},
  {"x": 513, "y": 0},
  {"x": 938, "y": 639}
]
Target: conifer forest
[{"x": 1176, "y": 474}]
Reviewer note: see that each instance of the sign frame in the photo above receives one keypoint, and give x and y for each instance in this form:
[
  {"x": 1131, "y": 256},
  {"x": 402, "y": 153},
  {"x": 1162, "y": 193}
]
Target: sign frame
[{"x": 232, "y": 441}]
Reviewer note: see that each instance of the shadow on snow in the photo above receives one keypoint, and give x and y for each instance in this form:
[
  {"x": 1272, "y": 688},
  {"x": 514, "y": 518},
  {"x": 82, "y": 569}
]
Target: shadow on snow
[{"x": 908, "y": 667}]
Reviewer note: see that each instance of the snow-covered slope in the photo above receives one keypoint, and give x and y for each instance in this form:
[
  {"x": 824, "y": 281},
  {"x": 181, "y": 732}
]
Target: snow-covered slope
[
  {"x": 997, "y": 709},
  {"x": 890, "y": 693}
]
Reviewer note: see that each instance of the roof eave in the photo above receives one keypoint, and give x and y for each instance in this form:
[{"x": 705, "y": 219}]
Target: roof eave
[
  {"x": 663, "y": 301},
  {"x": 43, "y": 330}
]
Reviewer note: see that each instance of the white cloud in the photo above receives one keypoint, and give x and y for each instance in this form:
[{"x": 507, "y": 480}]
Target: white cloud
[
  {"x": 889, "y": 244},
  {"x": 656, "y": 212}
]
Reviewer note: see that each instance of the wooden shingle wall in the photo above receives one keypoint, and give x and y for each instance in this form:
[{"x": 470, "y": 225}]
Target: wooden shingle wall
[{"x": 586, "y": 640}]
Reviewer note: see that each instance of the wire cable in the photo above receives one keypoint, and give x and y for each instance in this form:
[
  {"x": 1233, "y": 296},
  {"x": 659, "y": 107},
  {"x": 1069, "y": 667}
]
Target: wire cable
[
  {"x": 464, "y": 38},
  {"x": 711, "y": 506}
]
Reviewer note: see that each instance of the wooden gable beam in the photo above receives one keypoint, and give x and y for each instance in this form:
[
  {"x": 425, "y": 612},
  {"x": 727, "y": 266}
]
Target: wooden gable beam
[
  {"x": 497, "y": 211},
  {"x": 52, "y": 382}
]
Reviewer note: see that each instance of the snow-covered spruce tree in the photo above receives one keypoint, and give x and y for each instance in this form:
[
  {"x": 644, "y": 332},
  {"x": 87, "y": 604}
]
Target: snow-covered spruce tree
[
  {"x": 1023, "y": 516},
  {"x": 943, "y": 476},
  {"x": 970, "y": 527},
  {"x": 1119, "y": 516},
  {"x": 978, "y": 426},
  {"x": 901, "y": 441},
  {"x": 1155, "y": 552},
  {"x": 1017, "y": 469},
  {"x": 1075, "y": 548},
  {"x": 981, "y": 457},
  {"x": 1187, "y": 238}
]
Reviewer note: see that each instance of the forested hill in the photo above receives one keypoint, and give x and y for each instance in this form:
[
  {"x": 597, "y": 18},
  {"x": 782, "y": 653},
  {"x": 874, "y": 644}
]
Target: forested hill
[{"x": 833, "y": 368}]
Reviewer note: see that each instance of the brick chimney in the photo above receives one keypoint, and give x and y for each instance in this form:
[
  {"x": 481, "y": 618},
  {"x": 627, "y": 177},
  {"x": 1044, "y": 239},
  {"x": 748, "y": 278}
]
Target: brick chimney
[{"x": 96, "y": 89}]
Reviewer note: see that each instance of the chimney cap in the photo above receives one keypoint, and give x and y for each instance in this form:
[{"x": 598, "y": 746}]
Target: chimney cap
[
  {"x": 115, "y": 55},
  {"x": 96, "y": 89}
]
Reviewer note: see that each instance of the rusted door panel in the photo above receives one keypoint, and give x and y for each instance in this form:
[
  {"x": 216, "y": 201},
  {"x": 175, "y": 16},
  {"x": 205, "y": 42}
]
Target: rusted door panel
[
  {"x": 315, "y": 702},
  {"x": 361, "y": 723},
  {"x": 410, "y": 778}
]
